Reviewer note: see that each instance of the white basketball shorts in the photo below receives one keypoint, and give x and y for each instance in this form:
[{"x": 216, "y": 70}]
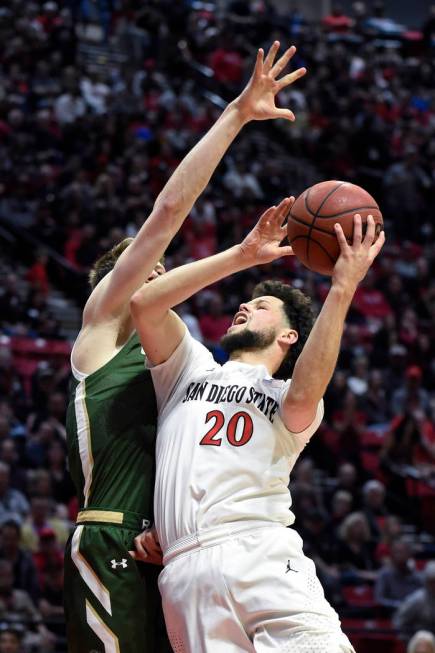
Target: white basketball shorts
[{"x": 229, "y": 589}]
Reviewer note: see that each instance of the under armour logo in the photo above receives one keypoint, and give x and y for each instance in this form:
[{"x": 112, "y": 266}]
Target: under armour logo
[
  {"x": 122, "y": 564},
  {"x": 289, "y": 567}
]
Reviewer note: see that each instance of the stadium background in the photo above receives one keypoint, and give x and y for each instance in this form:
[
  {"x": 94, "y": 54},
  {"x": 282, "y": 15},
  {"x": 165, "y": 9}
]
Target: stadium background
[{"x": 99, "y": 101}]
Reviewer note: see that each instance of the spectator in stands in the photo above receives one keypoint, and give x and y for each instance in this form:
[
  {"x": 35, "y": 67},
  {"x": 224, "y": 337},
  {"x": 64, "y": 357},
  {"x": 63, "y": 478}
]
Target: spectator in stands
[
  {"x": 335, "y": 394},
  {"x": 391, "y": 530},
  {"x": 305, "y": 490},
  {"x": 242, "y": 182},
  {"x": 375, "y": 401},
  {"x": 227, "y": 63},
  {"x": 358, "y": 380},
  {"x": 369, "y": 301},
  {"x": 9, "y": 455},
  {"x": 48, "y": 555},
  {"x": 13, "y": 504},
  {"x": 402, "y": 457},
  {"x": 349, "y": 424},
  {"x": 190, "y": 320},
  {"x": 417, "y": 612},
  {"x": 38, "y": 445},
  {"x": 70, "y": 106},
  {"x": 11, "y": 305},
  {"x": 11, "y": 387},
  {"x": 37, "y": 274},
  {"x": 61, "y": 484},
  {"x": 41, "y": 517},
  {"x": 51, "y": 598},
  {"x": 422, "y": 642},
  {"x": 396, "y": 579},
  {"x": 214, "y": 321},
  {"x": 39, "y": 483},
  {"x": 17, "y": 606},
  {"x": 374, "y": 508},
  {"x": 24, "y": 571},
  {"x": 96, "y": 155},
  {"x": 52, "y": 408},
  {"x": 355, "y": 551},
  {"x": 17, "y": 430},
  {"x": 337, "y": 21},
  {"x": 341, "y": 507},
  {"x": 11, "y": 637},
  {"x": 411, "y": 395},
  {"x": 320, "y": 544},
  {"x": 347, "y": 479}
]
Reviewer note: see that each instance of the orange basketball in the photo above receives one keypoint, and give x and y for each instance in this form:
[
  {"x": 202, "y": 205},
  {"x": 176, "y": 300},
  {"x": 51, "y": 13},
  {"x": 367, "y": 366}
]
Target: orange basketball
[{"x": 310, "y": 226}]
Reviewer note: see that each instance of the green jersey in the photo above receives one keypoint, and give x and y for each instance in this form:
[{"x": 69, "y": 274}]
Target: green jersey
[{"x": 111, "y": 426}]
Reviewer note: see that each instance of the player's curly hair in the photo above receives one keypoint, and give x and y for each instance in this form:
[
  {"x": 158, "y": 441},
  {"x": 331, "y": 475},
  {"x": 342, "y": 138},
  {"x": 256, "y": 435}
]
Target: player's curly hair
[
  {"x": 299, "y": 313},
  {"x": 106, "y": 262}
]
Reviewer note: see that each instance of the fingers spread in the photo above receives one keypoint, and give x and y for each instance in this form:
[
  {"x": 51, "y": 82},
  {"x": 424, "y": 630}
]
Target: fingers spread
[
  {"x": 377, "y": 245},
  {"x": 282, "y": 210},
  {"x": 284, "y": 113},
  {"x": 259, "y": 62},
  {"x": 283, "y": 61},
  {"x": 370, "y": 233},
  {"x": 290, "y": 78},
  {"x": 341, "y": 237},
  {"x": 270, "y": 58},
  {"x": 267, "y": 215},
  {"x": 292, "y": 200},
  {"x": 357, "y": 229}
]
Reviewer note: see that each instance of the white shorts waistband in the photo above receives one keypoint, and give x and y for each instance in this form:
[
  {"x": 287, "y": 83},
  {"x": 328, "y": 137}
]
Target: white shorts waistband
[{"x": 211, "y": 536}]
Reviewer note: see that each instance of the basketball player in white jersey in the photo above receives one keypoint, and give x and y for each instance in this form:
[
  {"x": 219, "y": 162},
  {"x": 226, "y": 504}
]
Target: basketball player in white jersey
[
  {"x": 109, "y": 440},
  {"x": 235, "y": 577}
]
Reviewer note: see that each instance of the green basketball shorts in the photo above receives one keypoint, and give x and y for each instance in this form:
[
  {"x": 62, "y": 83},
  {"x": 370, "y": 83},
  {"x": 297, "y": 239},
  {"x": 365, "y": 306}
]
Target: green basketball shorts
[{"x": 112, "y": 602}]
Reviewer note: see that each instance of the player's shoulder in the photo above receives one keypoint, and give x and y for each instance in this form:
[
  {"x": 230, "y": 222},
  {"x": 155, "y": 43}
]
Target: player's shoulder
[
  {"x": 197, "y": 351},
  {"x": 93, "y": 311}
]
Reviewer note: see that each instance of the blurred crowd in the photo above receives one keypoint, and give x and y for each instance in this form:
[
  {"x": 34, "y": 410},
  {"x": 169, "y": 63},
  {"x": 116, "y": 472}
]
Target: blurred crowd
[{"x": 99, "y": 101}]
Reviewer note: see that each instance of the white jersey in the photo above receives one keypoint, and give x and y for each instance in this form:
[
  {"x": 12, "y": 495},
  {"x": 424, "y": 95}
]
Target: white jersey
[{"x": 223, "y": 453}]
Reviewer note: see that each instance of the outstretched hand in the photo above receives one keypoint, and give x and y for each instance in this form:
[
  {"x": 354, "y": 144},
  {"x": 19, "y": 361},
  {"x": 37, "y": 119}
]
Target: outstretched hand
[
  {"x": 354, "y": 260},
  {"x": 257, "y": 100},
  {"x": 263, "y": 243}
]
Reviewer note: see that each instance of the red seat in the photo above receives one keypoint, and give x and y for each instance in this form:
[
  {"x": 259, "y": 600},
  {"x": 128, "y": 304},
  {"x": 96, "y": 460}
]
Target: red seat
[
  {"x": 372, "y": 439},
  {"x": 372, "y": 635},
  {"x": 359, "y": 595}
]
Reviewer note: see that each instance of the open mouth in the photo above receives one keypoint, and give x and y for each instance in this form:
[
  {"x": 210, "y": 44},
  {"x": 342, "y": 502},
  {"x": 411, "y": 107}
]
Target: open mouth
[{"x": 240, "y": 318}]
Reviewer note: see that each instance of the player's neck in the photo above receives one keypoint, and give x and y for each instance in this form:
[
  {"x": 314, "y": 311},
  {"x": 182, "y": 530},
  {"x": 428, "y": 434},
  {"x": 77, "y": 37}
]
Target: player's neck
[{"x": 251, "y": 357}]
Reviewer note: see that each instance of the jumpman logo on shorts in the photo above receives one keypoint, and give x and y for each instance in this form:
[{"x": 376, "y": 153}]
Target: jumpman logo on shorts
[{"x": 289, "y": 567}]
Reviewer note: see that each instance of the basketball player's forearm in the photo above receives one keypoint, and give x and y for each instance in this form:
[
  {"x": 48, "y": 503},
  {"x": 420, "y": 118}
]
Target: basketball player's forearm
[
  {"x": 174, "y": 287},
  {"x": 171, "y": 208},
  {"x": 316, "y": 363},
  {"x": 195, "y": 171}
]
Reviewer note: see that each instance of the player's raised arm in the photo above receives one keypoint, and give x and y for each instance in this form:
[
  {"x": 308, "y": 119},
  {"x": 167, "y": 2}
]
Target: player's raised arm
[
  {"x": 159, "y": 328},
  {"x": 315, "y": 366},
  {"x": 256, "y": 102}
]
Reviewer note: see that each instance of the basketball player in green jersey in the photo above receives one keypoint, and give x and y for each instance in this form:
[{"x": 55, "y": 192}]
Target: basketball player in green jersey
[{"x": 110, "y": 599}]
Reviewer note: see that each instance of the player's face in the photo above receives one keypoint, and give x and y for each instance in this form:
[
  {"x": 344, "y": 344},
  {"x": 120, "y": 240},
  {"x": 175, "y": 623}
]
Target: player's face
[
  {"x": 158, "y": 270},
  {"x": 260, "y": 315}
]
